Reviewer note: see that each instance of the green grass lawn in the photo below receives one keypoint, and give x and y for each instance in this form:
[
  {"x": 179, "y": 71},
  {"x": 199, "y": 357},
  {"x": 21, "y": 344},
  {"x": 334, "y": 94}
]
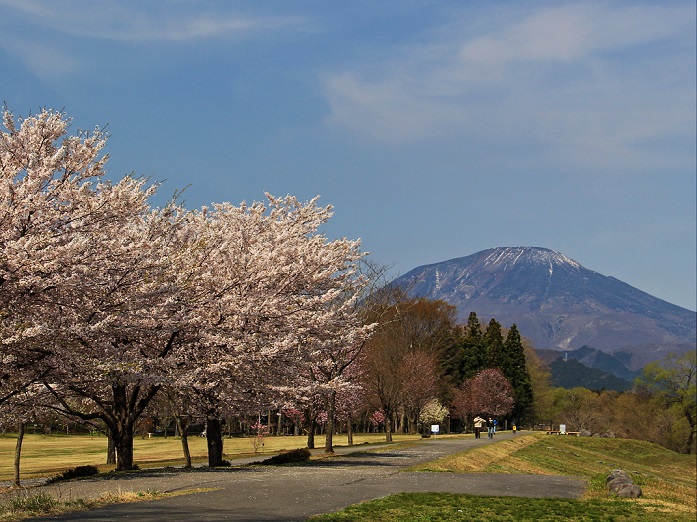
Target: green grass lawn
[
  {"x": 49, "y": 455},
  {"x": 444, "y": 507},
  {"x": 666, "y": 478}
]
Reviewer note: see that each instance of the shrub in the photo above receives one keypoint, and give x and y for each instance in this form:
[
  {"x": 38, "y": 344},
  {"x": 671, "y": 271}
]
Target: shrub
[
  {"x": 287, "y": 457},
  {"x": 77, "y": 472}
]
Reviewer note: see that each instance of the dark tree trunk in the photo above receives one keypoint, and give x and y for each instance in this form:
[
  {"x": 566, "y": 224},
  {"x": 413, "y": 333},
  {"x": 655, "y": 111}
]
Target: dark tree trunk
[
  {"x": 123, "y": 444},
  {"x": 182, "y": 426},
  {"x": 18, "y": 451},
  {"x": 122, "y": 428},
  {"x": 349, "y": 431},
  {"x": 329, "y": 436},
  {"x": 110, "y": 449},
  {"x": 214, "y": 438},
  {"x": 388, "y": 426},
  {"x": 691, "y": 435},
  {"x": 312, "y": 426}
]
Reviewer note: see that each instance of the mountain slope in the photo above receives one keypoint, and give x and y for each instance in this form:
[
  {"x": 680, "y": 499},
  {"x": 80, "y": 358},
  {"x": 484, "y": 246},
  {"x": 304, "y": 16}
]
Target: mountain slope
[
  {"x": 592, "y": 358},
  {"x": 571, "y": 373},
  {"x": 556, "y": 302}
]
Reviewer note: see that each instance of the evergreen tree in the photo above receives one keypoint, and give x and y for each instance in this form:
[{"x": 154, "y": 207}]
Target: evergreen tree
[
  {"x": 473, "y": 349},
  {"x": 516, "y": 372},
  {"x": 452, "y": 360},
  {"x": 493, "y": 340}
]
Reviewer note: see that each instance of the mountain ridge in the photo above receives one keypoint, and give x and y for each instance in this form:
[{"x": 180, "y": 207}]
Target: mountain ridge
[{"x": 556, "y": 302}]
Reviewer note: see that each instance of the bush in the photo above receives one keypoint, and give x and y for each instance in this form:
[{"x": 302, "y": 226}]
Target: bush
[
  {"x": 287, "y": 457},
  {"x": 77, "y": 472}
]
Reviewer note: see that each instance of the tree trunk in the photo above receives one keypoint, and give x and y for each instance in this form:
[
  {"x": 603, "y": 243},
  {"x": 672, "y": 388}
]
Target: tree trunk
[
  {"x": 388, "y": 426},
  {"x": 110, "y": 449},
  {"x": 349, "y": 431},
  {"x": 329, "y": 436},
  {"x": 18, "y": 451},
  {"x": 691, "y": 435},
  {"x": 214, "y": 438},
  {"x": 311, "y": 434},
  {"x": 414, "y": 423},
  {"x": 122, "y": 428},
  {"x": 182, "y": 426},
  {"x": 123, "y": 444}
]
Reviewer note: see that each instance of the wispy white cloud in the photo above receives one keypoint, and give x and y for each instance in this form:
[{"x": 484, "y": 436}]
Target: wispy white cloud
[
  {"x": 133, "y": 21},
  {"x": 592, "y": 81},
  {"x": 574, "y": 31},
  {"x": 53, "y": 39},
  {"x": 43, "y": 59}
]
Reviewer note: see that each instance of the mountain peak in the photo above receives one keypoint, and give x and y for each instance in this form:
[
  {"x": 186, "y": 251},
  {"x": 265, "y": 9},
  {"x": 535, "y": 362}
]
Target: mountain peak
[
  {"x": 554, "y": 300},
  {"x": 510, "y": 256}
]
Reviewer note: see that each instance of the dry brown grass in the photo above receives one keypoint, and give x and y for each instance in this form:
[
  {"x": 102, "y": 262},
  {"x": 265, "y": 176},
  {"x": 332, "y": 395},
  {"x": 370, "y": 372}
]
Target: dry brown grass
[
  {"x": 481, "y": 458},
  {"x": 24, "y": 506}
]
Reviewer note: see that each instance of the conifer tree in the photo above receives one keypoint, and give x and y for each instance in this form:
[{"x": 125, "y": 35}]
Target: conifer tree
[
  {"x": 515, "y": 370},
  {"x": 466, "y": 357},
  {"x": 473, "y": 348},
  {"x": 493, "y": 340}
]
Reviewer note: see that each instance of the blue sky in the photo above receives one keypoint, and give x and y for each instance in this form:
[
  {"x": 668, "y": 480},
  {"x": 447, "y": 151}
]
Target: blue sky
[{"x": 435, "y": 129}]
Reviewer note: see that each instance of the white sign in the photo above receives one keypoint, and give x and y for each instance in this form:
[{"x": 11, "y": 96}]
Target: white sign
[
  {"x": 435, "y": 428},
  {"x": 562, "y": 429}
]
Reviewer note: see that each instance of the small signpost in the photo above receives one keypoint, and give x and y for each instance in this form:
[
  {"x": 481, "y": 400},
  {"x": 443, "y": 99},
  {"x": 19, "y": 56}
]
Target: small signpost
[{"x": 435, "y": 429}]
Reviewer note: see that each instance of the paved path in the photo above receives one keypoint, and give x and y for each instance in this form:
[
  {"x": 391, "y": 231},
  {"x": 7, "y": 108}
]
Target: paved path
[{"x": 262, "y": 493}]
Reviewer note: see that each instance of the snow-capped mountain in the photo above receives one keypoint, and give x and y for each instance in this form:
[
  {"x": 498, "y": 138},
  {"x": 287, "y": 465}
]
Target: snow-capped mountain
[{"x": 557, "y": 303}]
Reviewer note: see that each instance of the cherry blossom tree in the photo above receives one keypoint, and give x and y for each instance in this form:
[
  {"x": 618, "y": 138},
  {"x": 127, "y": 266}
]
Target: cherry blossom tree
[
  {"x": 51, "y": 198},
  {"x": 104, "y": 300},
  {"x": 487, "y": 393},
  {"x": 350, "y": 404},
  {"x": 491, "y": 393},
  {"x": 334, "y": 361},
  {"x": 433, "y": 412},
  {"x": 123, "y": 323},
  {"x": 80, "y": 259},
  {"x": 282, "y": 304}
]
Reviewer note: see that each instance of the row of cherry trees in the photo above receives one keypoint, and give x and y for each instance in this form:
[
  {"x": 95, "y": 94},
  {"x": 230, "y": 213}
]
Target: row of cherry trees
[{"x": 106, "y": 302}]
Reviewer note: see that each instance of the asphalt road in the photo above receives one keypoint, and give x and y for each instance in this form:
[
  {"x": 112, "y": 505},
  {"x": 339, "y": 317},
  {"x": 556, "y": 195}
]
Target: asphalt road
[{"x": 292, "y": 493}]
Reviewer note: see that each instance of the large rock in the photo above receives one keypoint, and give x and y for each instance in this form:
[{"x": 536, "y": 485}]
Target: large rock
[{"x": 620, "y": 483}]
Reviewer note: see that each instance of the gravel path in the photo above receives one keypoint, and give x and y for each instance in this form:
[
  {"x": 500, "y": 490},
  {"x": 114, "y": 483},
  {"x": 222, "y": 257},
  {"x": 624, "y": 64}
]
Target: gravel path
[{"x": 282, "y": 493}]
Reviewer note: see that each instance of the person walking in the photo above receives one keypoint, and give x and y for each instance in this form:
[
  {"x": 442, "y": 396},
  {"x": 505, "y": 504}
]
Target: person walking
[
  {"x": 490, "y": 427},
  {"x": 478, "y": 424}
]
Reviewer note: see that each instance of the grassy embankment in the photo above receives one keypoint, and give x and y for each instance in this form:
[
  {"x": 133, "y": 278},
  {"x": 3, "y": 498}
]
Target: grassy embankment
[{"x": 667, "y": 480}]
